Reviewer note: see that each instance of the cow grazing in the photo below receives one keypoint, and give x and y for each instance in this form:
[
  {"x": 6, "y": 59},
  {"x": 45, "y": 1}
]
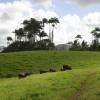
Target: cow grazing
[
  {"x": 52, "y": 70},
  {"x": 23, "y": 75},
  {"x": 42, "y": 71},
  {"x": 62, "y": 69},
  {"x": 66, "y": 67}
]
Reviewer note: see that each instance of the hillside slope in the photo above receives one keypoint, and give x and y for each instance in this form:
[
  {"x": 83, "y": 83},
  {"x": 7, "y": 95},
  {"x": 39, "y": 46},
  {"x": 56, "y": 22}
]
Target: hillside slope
[
  {"x": 80, "y": 84},
  {"x": 13, "y": 63}
]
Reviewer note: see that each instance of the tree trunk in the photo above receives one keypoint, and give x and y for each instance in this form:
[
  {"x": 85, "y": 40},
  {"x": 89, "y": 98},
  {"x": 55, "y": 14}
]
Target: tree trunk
[
  {"x": 52, "y": 37},
  {"x": 15, "y": 37},
  {"x": 40, "y": 38},
  {"x": 49, "y": 32},
  {"x": 25, "y": 38}
]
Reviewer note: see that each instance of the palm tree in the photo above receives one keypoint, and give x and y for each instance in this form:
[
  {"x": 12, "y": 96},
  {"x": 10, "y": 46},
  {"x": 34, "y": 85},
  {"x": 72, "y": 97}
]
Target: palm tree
[
  {"x": 44, "y": 21},
  {"x": 78, "y": 36},
  {"x": 32, "y": 27},
  {"x": 26, "y": 23},
  {"x": 19, "y": 33},
  {"x": 84, "y": 45},
  {"x": 15, "y": 32},
  {"x": 9, "y": 39},
  {"x": 53, "y": 21},
  {"x": 50, "y": 21},
  {"x": 96, "y": 34},
  {"x": 29, "y": 36},
  {"x": 42, "y": 34}
]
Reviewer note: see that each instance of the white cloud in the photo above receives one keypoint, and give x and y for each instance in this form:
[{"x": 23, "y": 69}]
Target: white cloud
[
  {"x": 70, "y": 26},
  {"x": 39, "y": 1},
  {"x": 44, "y": 3},
  {"x": 44, "y": 14},
  {"x": 84, "y": 2},
  {"x": 12, "y": 14},
  {"x": 92, "y": 19}
]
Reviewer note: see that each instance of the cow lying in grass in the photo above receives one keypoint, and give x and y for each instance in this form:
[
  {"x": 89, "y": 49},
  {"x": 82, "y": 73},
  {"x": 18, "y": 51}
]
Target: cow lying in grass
[
  {"x": 52, "y": 70},
  {"x": 43, "y": 71},
  {"x": 23, "y": 75},
  {"x": 66, "y": 67}
]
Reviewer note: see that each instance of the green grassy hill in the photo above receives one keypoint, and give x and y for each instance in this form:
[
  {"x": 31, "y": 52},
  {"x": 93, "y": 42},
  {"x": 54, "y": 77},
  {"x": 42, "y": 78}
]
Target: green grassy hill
[
  {"x": 81, "y": 83},
  {"x": 78, "y": 84},
  {"x": 13, "y": 63}
]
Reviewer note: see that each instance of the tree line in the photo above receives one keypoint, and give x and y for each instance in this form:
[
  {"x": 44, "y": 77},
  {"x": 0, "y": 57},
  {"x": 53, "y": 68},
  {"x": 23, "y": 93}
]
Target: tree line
[
  {"x": 83, "y": 46},
  {"x": 33, "y": 36}
]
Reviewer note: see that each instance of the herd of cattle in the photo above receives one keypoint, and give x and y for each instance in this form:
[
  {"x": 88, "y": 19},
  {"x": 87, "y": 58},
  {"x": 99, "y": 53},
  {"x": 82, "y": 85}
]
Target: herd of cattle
[{"x": 25, "y": 74}]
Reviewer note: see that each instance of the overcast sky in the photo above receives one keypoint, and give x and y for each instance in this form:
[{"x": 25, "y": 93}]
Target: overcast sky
[{"x": 76, "y": 17}]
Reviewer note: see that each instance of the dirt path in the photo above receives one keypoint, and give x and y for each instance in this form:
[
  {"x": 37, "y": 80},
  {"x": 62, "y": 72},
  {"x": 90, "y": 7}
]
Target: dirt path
[{"x": 78, "y": 93}]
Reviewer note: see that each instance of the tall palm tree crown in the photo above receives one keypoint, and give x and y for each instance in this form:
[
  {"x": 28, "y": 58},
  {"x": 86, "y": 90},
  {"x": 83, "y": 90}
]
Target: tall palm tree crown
[
  {"x": 78, "y": 37},
  {"x": 9, "y": 39},
  {"x": 32, "y": 27},
  {"x": 96, "y": 33},
  {"x": 53, "y": 21},
  {"x": 19, "y": 33}
]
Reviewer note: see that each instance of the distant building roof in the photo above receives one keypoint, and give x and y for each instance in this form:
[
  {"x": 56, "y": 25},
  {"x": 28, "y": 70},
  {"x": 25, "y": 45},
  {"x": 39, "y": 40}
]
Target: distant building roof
[{"x": 63, "y": 47}]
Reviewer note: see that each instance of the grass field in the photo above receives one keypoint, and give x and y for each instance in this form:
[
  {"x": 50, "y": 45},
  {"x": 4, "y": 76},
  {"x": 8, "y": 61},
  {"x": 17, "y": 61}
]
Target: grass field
[
  {"x": 13, "y": 63},
  {"x": 81, "y": 83}
]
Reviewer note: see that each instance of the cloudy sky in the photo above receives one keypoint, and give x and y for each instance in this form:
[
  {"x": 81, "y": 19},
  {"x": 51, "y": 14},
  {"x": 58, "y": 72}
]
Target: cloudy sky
[{"x": 76, "y": 17}]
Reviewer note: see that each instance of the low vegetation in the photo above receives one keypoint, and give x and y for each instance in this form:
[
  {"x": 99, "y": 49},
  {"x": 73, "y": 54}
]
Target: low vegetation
[
  {"x": 58, "y": 86},
  {"x": 11, "y": 64},
  {"x": 80, "y": 83}
]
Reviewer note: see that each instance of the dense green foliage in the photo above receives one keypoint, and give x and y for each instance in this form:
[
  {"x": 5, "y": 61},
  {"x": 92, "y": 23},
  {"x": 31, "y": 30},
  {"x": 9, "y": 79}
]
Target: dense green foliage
[
  {"x": 32, "y": 36},
  {"x": 26, "y": 46},
  {"x": 76, "y": 45}
]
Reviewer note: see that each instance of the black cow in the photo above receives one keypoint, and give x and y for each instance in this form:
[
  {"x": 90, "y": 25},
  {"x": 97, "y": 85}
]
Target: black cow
[
  {"x": 42, "y": 71},
  {"x": 62, "y": 69},
  {"x": 52, "y": 70},
  {"x": 66, "y": 67},
  {"x": 23, "y": 75}
]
